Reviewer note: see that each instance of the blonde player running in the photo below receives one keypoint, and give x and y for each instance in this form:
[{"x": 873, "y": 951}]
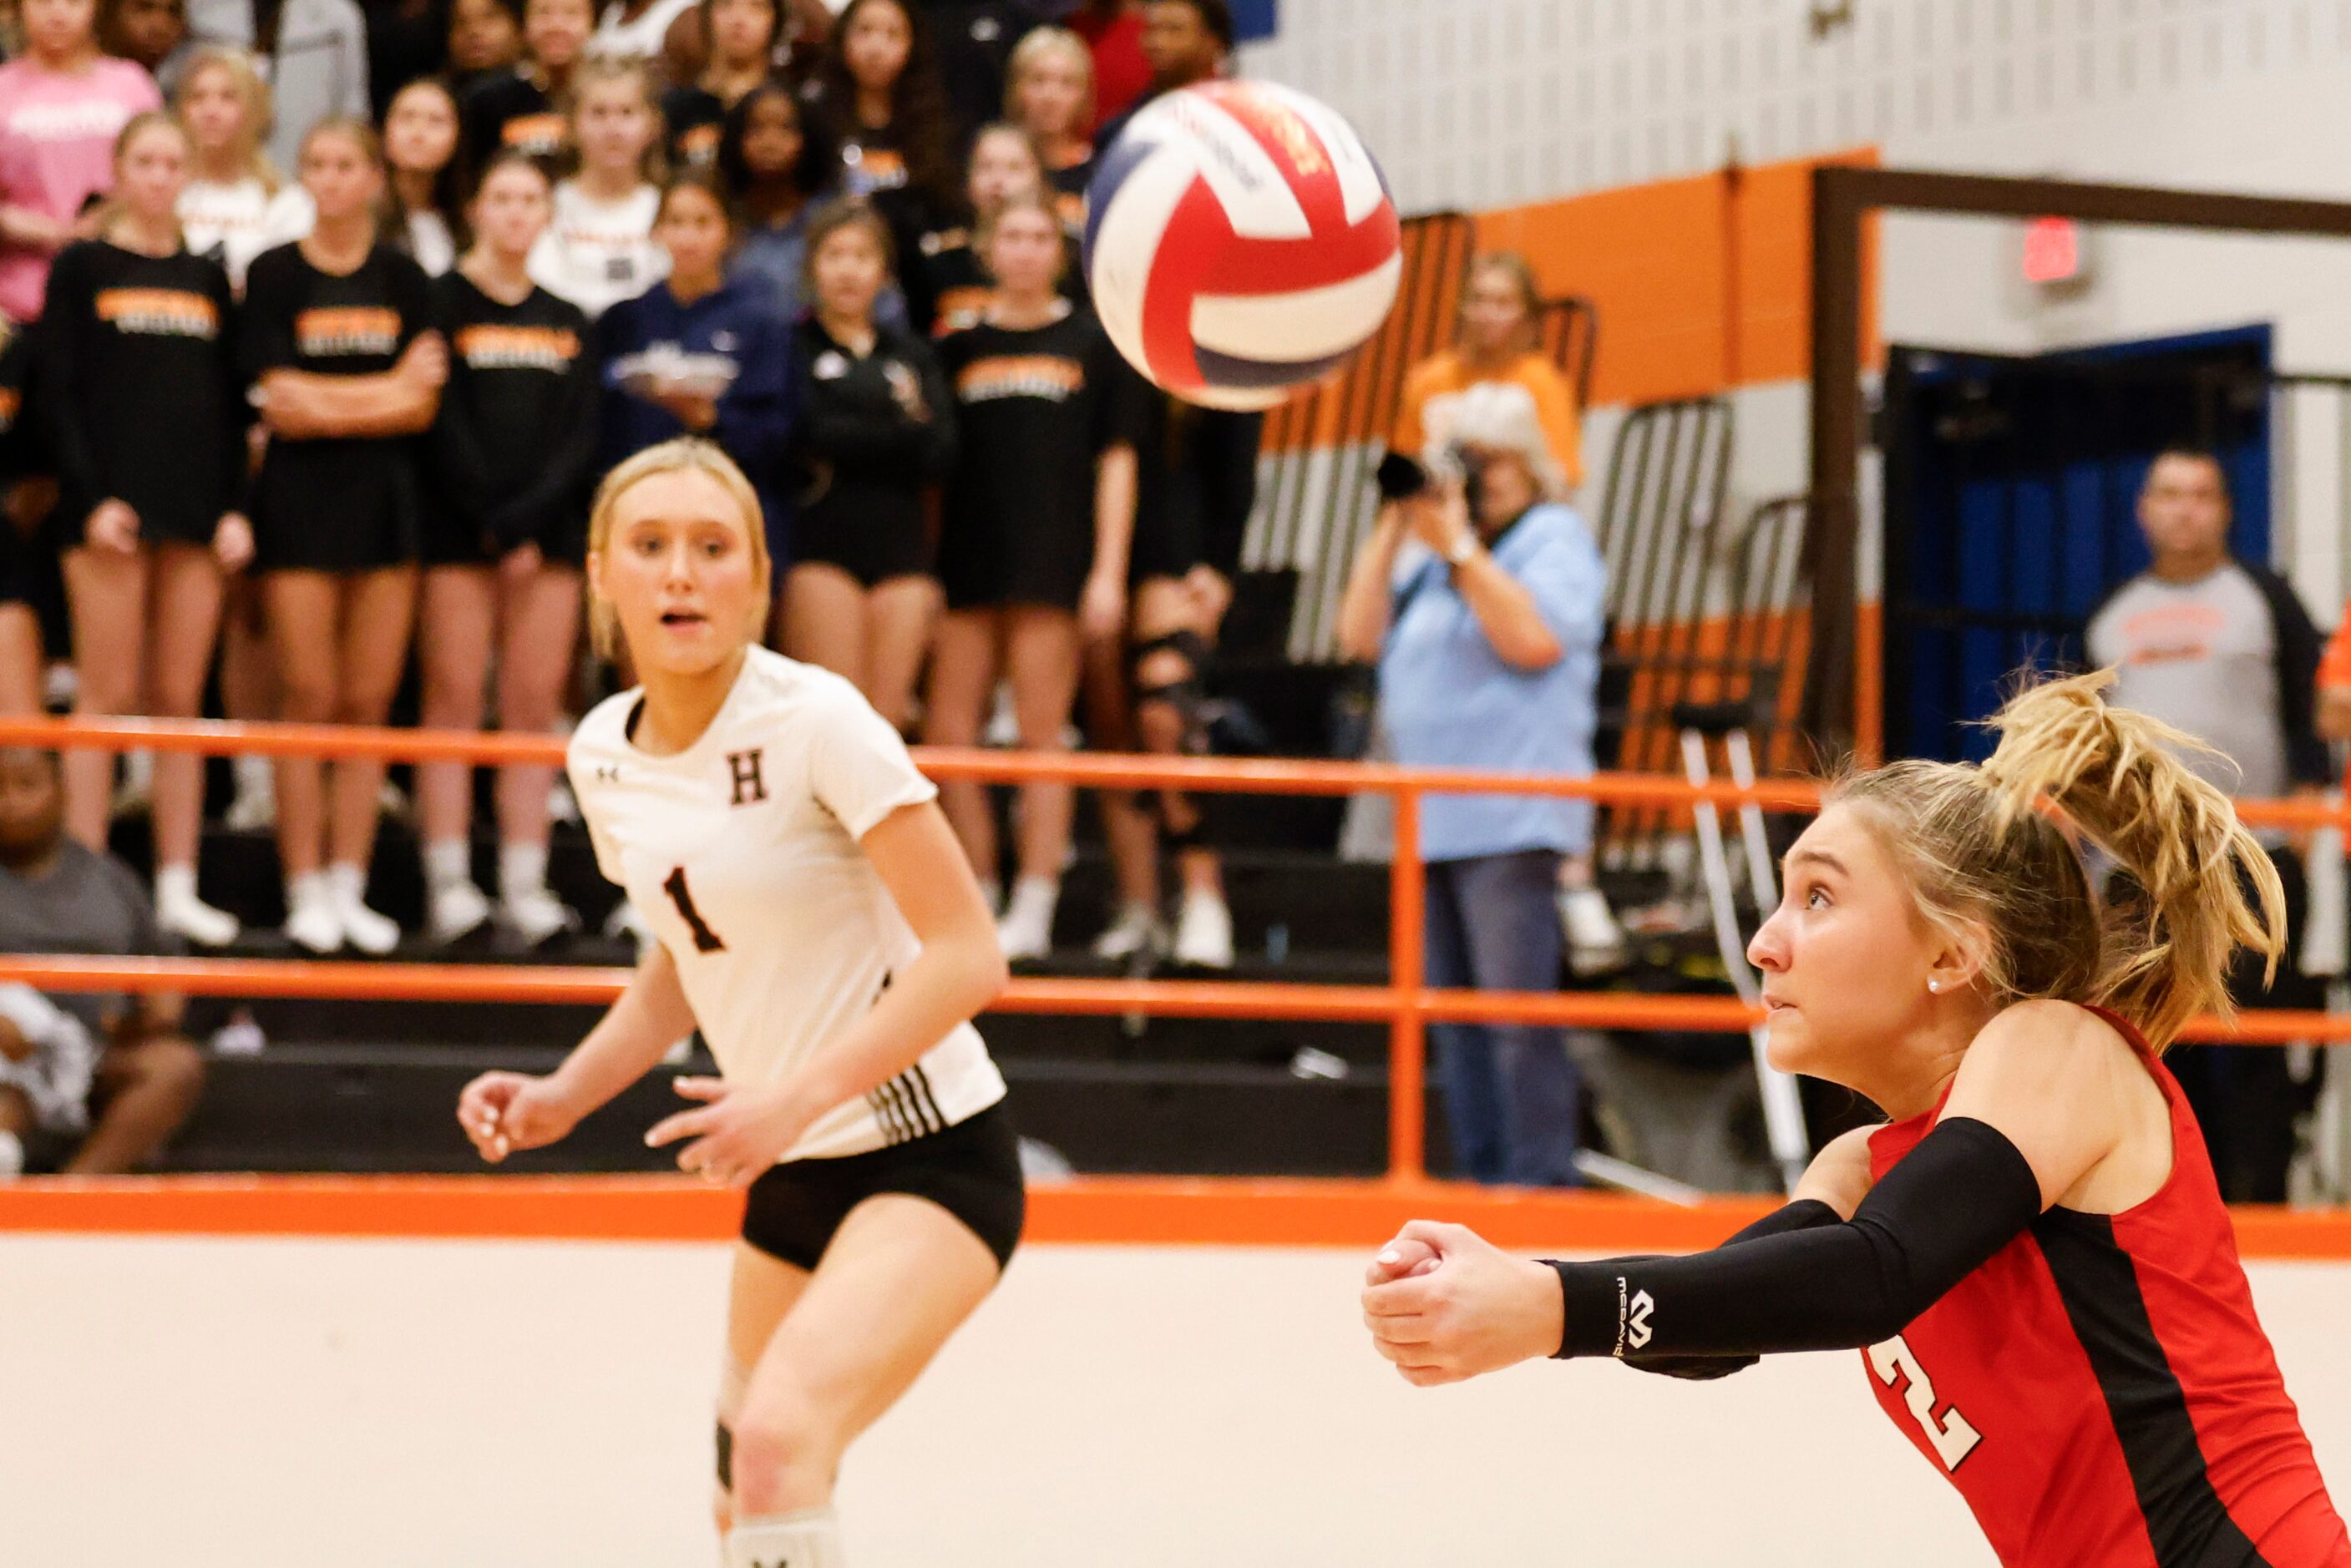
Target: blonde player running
[{"x": 818, "y": 923}]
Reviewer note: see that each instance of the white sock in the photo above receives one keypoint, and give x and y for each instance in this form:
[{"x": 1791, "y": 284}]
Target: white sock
[
  {"x": 309, "y": 888},
  {"x": 347, "y": 882},
  {"x": 810, "y": 1539},
  {"x": 253, "y": 775},
  {"x": 522, "y": 869},
  {"x": 447, "y": 862},
  {"x": 1043, "y": 892},
  {"x": 993, "y": 891},
  {"x": 12, "y": 1156},
  {"x": 175, "y": 884}
]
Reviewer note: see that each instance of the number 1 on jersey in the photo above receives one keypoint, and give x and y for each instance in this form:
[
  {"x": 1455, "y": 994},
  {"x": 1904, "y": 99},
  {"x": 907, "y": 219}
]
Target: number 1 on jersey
[
  {"x": 1953, "y": 1437},
  {"x": 705, "y": 940}
]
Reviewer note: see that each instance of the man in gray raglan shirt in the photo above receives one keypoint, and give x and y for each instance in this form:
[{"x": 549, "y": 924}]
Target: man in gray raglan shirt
[
  {"x": 2224, "y": 650},
  {"x": 111, "y": 1074}
]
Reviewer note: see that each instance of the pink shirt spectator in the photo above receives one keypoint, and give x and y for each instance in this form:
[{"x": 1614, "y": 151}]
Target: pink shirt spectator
[{"x": 57, "y": 147}]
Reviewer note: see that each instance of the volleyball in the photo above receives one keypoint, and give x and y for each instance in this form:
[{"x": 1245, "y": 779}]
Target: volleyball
[{"x": 1239, "y": 243}]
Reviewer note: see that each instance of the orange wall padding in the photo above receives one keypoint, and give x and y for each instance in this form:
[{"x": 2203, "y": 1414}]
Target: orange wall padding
[{"x": 1701, "y": 284}]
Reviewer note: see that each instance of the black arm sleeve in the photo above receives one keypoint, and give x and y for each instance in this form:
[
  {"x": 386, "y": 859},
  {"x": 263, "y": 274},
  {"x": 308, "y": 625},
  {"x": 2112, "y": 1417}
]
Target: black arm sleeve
[
  {"x": 2299, "y": 645},
  {"x": 938, "y": 446},
  {"x": 1803, "y": 1215},
  {"x": 69, "y": 307},
  {"x": 1959, "y": 1197},
  {"x": 237, "y": 414}
]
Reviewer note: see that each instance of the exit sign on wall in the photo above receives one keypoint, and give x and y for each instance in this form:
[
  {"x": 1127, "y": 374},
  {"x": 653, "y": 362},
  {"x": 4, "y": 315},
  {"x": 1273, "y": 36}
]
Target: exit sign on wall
[{"x": 2056, "y": 254}]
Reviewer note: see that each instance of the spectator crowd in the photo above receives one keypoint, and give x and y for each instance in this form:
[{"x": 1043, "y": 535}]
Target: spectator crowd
[{"x": 325, "y": 321}]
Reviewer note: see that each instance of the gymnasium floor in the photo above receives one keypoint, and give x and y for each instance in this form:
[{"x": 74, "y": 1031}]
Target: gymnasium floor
[{"x": 285, "y": 1404}]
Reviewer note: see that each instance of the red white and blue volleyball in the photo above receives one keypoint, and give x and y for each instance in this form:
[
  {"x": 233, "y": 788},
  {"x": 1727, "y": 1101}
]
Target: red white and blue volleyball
[{"x": 1240, "y": 241}]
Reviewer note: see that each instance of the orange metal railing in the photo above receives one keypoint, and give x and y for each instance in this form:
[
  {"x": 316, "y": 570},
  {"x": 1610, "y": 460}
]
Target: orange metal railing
[{"x": 1406, "y": 1004}]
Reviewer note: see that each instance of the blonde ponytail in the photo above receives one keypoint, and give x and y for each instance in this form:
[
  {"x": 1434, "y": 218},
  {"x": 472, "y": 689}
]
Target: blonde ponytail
[
  {"x": 1990, "y": 862},
  {"x": 2118, "y": 775}
]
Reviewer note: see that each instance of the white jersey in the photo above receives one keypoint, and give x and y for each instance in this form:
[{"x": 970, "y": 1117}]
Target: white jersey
[
  {"x": 431, "y": 245},
  {"x": 642, "y": 39},
  {"x": 238, "y": 221},
  {"x": 597, "y": 254},
  {"x": 741, "y": 854}
]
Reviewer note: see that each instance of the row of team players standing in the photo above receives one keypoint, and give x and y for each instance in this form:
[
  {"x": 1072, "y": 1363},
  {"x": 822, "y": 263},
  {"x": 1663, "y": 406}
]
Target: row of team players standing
[{"x": 459, "y": 422}]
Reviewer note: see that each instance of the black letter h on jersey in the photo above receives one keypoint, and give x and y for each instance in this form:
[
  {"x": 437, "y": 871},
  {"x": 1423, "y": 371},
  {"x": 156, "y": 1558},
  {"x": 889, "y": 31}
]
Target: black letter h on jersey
[{"x": 750, "y": 788}]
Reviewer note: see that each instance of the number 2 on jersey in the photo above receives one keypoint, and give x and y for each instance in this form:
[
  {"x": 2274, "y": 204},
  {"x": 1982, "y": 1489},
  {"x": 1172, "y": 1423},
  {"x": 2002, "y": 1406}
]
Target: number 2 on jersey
[
  {"x": 1954, "y": 1437},
  {"x": 705, "y": 940}
]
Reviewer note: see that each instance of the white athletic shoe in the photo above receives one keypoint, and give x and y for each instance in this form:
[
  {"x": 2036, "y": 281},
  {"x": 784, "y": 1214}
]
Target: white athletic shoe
[
  {"x": 456, "y": 909},
  {"x": 179, "y": 910},
  {"x": 240, "y": 1036},
  {"x": 1002, "y": 730},
  {"x": 255, "y": 809},
  {"x": 1596, "y": 942},
  {"x": 312, "y": 922},
  {"x": 538, "y": 916},
  {"x": 1026, "y": 931},
  {"x": 1137, "y": 930},
  {"x": 562, "y": 805},
  {"x": 1204, "y": 932},
  {"x": 372, "y": 933},
  {"x": 134, "y": 796},
  {"x": 12, "y": 1156}
]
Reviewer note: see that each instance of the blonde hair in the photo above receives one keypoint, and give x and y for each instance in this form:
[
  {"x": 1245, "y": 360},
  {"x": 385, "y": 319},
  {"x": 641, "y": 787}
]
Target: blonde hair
[
  {"x": 1522, "y": 274},
  {"x": 601, "y": 70},
  {"x": 259, "y": 108},
  {"x": 1028, "y": 199},
  {"x": 1035, "y": 47},
  {"x": 685, "y": 454},
  {"x": 138, "y": 125},
  {"x": 1987, "y": 847}
]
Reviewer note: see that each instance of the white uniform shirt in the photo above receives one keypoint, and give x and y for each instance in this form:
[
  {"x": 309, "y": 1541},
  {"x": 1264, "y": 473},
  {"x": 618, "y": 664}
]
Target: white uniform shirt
[
  {"x": 597, "y": 254},
  {"x": 431, "y": 243},
  {"x": 241, "y": 219},
  {"x": 741, "y": 854},
  {"x": 642, "y": 39}
]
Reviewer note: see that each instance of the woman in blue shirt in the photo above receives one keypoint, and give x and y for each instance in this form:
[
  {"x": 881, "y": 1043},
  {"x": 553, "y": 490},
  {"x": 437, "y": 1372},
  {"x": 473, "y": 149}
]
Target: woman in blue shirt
[
  {"x": 775, "y": 165},
  {"x": 1487, "y": 640},
  {"x": 700, "y": 354}
]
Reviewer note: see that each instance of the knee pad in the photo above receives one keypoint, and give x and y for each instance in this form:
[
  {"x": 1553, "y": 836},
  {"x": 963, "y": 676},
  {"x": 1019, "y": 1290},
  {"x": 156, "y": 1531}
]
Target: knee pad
[{"x": 1186, "y": 694}]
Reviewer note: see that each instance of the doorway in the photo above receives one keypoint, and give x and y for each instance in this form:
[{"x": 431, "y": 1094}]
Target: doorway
[{"x": 2010, "y": 486}]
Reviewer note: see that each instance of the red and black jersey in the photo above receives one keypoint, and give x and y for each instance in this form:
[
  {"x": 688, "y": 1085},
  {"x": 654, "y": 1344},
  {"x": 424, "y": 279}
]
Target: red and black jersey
[{"x": 2101, "y": 1391}]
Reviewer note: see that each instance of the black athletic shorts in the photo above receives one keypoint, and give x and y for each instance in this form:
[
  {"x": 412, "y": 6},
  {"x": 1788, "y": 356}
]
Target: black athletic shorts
[
  {"x": 1165, "y": 546},
  {"x": 873, "y": 555},
  {"x": 19, "y": 575},
  {"x": 872, "y": 530},
  {"x": 972, "y": 1170},
  {"x": 449, "y": 542}
]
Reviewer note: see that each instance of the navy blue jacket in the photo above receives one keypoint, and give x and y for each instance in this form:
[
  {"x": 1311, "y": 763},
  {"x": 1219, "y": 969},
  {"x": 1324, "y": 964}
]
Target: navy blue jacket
[{"x": 756, "y": 415}]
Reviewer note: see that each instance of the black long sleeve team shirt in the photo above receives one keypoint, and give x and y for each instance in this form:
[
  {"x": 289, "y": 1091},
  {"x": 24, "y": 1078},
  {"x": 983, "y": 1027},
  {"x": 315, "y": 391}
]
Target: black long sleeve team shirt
[
  {"x": 139, "y": 388},
  {"x": 854, "y": 431},
  {"x": 514, "y": 445}
]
